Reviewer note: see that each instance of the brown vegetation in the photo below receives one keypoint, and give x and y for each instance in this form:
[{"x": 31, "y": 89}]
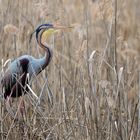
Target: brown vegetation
[{"x": 94, "y": 75}]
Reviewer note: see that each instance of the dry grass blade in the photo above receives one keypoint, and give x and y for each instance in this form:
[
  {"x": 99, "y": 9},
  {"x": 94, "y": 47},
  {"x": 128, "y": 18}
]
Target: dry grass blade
[
  {"x": 92, "y": 55},
  {"x": 7, "y": 61},
  {"x": 10, "y": 29},
  {"x": 9, "y": 109},
  {"x": 32, "y": 92}
]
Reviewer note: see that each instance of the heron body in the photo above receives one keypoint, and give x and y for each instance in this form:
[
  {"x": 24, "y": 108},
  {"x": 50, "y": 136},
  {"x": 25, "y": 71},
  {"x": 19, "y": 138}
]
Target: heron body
[{"x": 15, "y": 79}]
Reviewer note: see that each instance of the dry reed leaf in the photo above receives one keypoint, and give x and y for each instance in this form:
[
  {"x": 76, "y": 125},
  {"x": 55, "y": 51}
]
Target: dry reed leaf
[
  {"x": 133, "y": 93},
  {"x": 106, "y": 85},
  {"x": 10, "y": 29},
  {"x": 128, "y": 53},
  {"x": 81, "y": 52},
  {"x": 95, "y": 12},
  {"x": 127, "y": 26},
  {"x": 32, "y": 92},
  {"x": 42, "y": 10},
  {"x": 9, "y": 109},
  {"x": 116, "y": 125},
  {"x": 72, "y": 27},
  {"x": 6, "y": 62},
  {"x": 124, "y": 29},
  {"x": 78, "y": 4},
  {"x": 120, "y": 74},
  {"x": 87, "y": 105},
  {"x": 106, "y": 9},
  {"x": 111, "y": 101},
  {"x": 92, "y": 55},
  {"x": 64, "y": 100},
  {"x": 79, "y": 29},
  {"x": 120, "y": 39}
]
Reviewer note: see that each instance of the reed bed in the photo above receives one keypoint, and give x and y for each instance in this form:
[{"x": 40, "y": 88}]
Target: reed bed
[{"x": 91, "y": 88}]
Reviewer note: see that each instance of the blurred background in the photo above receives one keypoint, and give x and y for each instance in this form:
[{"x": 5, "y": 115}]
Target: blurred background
[{"x": 94, "y": 76}]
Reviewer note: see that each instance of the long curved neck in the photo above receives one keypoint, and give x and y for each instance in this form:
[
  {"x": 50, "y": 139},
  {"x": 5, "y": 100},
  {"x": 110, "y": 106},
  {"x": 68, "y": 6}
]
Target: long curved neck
[{"x": 48, "y": 52}]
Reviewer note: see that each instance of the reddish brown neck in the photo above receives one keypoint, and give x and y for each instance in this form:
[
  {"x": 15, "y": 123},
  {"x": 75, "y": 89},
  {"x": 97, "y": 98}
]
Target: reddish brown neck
[{"x": 48, "y": 52}]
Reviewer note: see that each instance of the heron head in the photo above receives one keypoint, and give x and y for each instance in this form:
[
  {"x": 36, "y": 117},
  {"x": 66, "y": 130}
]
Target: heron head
[{"x": 48, "y": 28}]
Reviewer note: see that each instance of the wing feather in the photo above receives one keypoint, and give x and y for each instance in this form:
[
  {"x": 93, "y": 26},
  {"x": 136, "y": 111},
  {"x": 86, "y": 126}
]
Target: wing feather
[{"x": 16, "y": 72}]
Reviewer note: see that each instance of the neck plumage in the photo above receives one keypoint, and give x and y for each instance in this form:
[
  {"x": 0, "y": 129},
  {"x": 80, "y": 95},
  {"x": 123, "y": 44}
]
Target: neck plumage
[{"x": 48, "y": 53}]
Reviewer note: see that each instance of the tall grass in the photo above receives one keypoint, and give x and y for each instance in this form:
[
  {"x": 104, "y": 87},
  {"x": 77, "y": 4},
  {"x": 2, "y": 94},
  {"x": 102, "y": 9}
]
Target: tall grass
[{"x": 90, "y": 90}]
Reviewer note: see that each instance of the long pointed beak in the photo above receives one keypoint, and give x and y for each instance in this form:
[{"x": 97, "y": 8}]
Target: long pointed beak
[{"x": 58, "y": 27}]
